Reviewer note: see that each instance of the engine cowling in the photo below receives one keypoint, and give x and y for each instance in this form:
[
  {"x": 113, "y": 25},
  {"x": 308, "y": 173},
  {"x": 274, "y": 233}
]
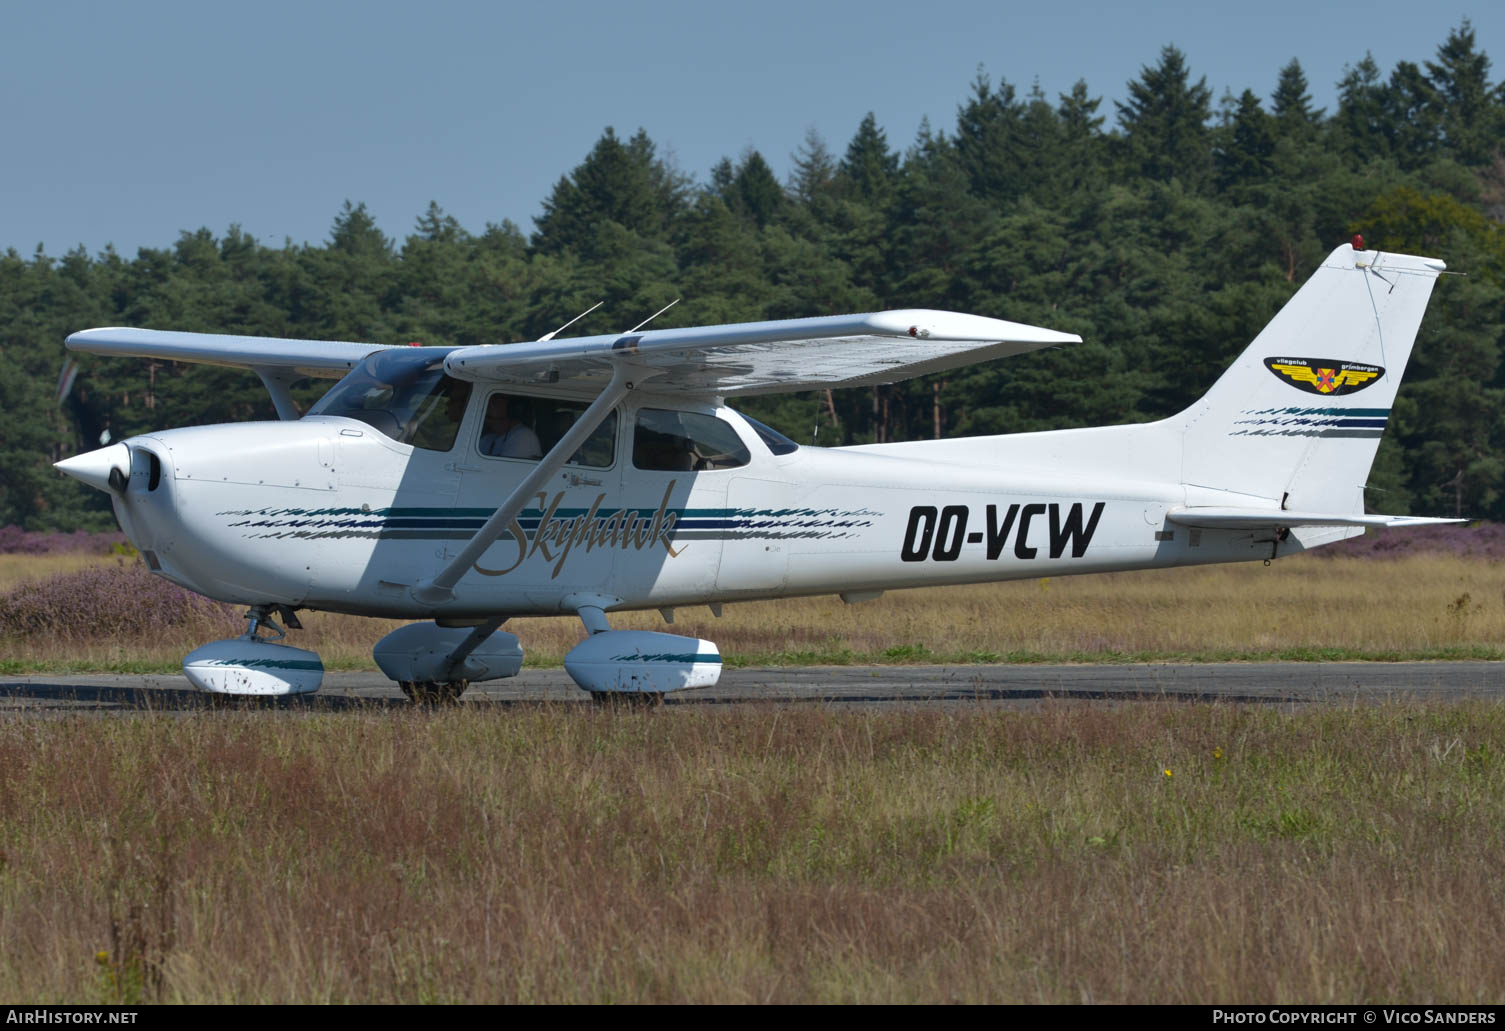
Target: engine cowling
[
  {"x": 643, "y": 661},
  {"x": 420, "y": 652}
]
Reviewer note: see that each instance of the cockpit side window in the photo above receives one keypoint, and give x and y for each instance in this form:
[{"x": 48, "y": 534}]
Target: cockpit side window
[
  {"x": 404, "y": 395},
  {"x": 670, "y": 441},
  {"x": 519, "y": 426}
]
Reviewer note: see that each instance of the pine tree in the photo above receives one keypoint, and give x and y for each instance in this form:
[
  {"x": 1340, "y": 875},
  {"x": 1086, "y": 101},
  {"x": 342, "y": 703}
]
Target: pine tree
[
  {"x": 723, "y": 175},
  {"x": 937, "y": 220},
  {"x": 1041, "y": 172},
  {"x": 1359, "y": 125},
  {"x": 1165, "y": 121},
  {"x": 757, "y": 192},
  {"x": 1247, "y": 156},
  {"x": 671, "y": 188},
  {"x": 617, "y": 182},
  {"x": 721, "y": 265},
  {"x": 989, "y": 141},
  {"x": 1084, "y": 150},
  {"x": 337, "y": 292},
  {"x": 1471, "y": 119},
  {"x": 437, "y": 227},
  {"x": 432, "y": 280},
  {"x": 1410, "y": 117},
  {"x": 813, "y": 168},
  {"x": 1080, "y": 122},
  {"x": 1291, "y": 104},
  {"x": 870, "y": 168},
  {"x": 355, "y": 233}
]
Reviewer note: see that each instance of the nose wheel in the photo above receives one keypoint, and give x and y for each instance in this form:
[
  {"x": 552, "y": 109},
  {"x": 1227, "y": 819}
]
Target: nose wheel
[{"x": 433, "y": 692}]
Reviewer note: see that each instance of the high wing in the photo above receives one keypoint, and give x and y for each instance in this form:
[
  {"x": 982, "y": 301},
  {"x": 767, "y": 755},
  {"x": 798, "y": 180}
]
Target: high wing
[
  {"x": 763, "y": 357},
  {"x": 738, "y": 359},
  {"x": 322, "y": 358}
]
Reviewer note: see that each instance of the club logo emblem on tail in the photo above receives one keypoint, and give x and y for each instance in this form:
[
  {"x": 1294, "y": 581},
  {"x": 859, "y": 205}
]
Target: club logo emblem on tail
[{"x": 1327, "y": 376}]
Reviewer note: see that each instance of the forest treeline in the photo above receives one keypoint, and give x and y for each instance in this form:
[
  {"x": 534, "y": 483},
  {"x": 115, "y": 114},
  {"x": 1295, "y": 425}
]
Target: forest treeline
[{"x": 1165, "y": 231}]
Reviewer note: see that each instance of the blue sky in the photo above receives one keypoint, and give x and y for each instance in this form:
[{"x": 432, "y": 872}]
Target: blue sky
[{"x": 126, "y": 123}]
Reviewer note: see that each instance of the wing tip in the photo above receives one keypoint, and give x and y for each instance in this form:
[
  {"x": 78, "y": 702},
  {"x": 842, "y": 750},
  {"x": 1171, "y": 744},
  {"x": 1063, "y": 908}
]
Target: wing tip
[
  {"x": 932, "y": 324},
  {"x": 79, "y": 339}
]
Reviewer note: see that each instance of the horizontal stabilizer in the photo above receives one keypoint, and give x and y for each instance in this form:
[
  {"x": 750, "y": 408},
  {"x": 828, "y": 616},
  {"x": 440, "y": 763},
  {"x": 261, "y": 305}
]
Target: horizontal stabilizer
[{"x": 1270, "y": 518}]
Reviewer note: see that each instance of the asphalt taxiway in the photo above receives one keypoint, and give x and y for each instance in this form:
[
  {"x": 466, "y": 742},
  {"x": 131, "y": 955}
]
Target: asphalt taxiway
[{"x": 1294, "y": 683}]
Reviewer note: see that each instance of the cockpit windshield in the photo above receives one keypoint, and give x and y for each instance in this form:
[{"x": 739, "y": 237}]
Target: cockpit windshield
[{"x": 403, "y": 393}]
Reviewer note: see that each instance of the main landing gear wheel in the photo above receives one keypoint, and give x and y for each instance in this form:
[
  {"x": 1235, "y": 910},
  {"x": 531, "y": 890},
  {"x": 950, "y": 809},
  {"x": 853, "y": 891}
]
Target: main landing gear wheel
[{"x": 433, "y": 692}]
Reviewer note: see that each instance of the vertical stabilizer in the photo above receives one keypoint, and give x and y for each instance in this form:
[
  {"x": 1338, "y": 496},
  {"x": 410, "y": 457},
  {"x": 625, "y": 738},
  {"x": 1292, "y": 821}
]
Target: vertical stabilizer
[{"x": 1298, "y": 417}]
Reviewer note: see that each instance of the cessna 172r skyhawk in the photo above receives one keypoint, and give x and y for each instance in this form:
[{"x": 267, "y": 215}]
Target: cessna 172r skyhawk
[{"x": 462, "y": 486}]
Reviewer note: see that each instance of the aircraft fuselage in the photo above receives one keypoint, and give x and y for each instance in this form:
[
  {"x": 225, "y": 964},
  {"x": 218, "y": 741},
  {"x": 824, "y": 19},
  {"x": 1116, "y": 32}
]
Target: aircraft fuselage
[{"x": 329, "y": 513}]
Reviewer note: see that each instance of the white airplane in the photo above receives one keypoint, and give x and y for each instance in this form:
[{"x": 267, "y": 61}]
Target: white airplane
[{"x": 463, "y": 486}]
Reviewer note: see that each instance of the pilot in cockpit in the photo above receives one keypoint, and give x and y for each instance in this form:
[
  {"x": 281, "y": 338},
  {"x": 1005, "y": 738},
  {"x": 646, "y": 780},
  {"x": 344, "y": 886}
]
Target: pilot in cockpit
[{"x": 505, "y": 434}]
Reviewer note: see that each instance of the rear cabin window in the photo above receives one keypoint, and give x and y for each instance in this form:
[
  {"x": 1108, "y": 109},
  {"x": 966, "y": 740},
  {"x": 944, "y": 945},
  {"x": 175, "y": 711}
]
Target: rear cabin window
[
  {"x": 518, "y": 426},
  {"x": 776, "y": 441},
  {"x": 669, "y": 441}
]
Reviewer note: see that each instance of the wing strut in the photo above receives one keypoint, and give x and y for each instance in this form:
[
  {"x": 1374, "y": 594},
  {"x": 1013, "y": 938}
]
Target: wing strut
[
  {"x": 442, "y": 587},
  {"x": 277, "y": 381}
]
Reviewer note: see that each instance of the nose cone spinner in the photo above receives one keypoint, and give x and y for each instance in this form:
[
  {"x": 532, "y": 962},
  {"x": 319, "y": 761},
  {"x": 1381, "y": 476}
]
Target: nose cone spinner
[{"x": 108, "y": 468}]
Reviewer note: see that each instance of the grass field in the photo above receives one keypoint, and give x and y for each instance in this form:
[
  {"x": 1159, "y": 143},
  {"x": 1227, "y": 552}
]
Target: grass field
[
  {"x": 15, "y": 569},
  {"x": 1143, "y": 853},
  {"x": 1150, "y": 852},
  {"x": 1415, "y": 607}
]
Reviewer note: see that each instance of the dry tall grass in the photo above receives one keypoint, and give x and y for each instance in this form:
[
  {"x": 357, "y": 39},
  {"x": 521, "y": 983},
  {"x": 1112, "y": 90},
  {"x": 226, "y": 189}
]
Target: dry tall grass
[
  {"x": 1424, "y": 606},
  {"x": 1149, "y": 853},
  {"x": 15, "y": 569}
]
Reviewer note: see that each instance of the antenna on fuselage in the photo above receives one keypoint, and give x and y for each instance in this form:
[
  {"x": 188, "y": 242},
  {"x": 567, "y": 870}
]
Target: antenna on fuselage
[
  {"x": 655, "y": 315},
  {"x": 567, "y": 325}
]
